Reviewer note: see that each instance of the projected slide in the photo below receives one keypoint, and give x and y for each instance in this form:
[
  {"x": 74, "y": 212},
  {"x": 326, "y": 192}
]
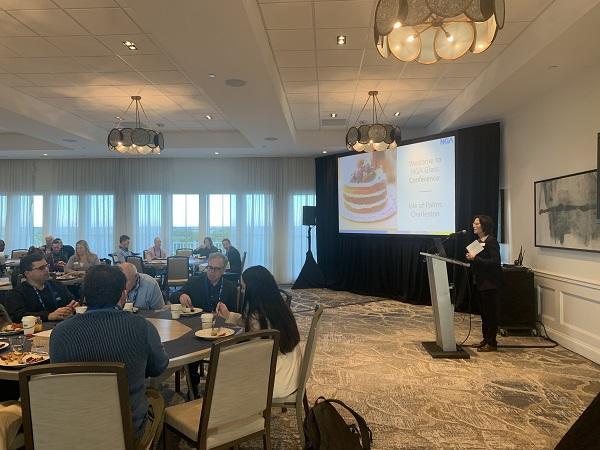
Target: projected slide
[{"x": 405, "y": 191}]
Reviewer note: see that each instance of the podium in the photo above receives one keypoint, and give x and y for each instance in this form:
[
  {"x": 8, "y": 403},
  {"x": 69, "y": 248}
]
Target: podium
[{"x": 443, "y": 311}]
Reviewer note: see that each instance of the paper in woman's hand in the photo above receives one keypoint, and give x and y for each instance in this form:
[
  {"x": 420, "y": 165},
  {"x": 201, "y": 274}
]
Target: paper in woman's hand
[{"x": 475, "y": 247}]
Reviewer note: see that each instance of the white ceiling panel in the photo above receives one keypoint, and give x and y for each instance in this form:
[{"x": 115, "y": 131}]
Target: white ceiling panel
[
  {"x": 108, "y": 78},
  {"x": 380, "y": 72},
  {"x": 143, "y": 43},
  {"x": 373, "y": 58},
  {"x": 102, "y": 21},
  {"x": 416, "y": 84},
  {"x": 298, "y": 58},
  {"x": 524, "y": 11},
  {"x": 189, "y": 103},
  {"x": 30, "y": 46},
  {"x": 338, "y": 73},
  {"x": 79, "y": 46},
  {"x": 26, "y": 4},
  {"x": 165, "y": 76},
  {"x": 423, "y": 71},
  {"x": 103, "y": 64},
  {"x": 292, "y": 39},
  {"x": 337, "y": 97},
  {"x": 468, "y": 70},
  {"x": 312, "y": 97},
  {"x": 339, "y": 57},
  {"x": 364, "y": 86},
  {"x": 6, "y": 52},
  {"x": 306, "y": 124},
  {"x": 349, "y": 13},
  {"x": 337, "y": 86},
  {"x": 298, "y": 74},
  {"x": 510, "y": 31},
  {"x": 300, "y": 87},
  {"x": 149, "y": 62},
  {"x": 8, "y": 79},
  {"x": 454, "y": 83},
  {"x": 305, "y": 110},
  {"x": 86, "y": 3},
  {"x": 47, "y": 79},
  {"x": 41, "y": 65},
  {"x": 291, "y": 16},
  {"x": 178, "y": 89},
  {"x": 355, "y": 38},
  {"x": 53, "y": 22},
  {"x": 9, "y": 26}
]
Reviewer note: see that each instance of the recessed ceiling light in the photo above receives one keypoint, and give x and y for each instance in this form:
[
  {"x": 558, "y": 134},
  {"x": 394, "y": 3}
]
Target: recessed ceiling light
[
  {"x": 130, "y": 45},
  {"x": 235, "y": 82},
  {"x": 397, "y": 113},
  {"x": 341, "y": 39},
  {"x": 208, "y": 116},
  {"x": 212, "y": 75},
  {"x": 333, "y": 115},
  {"x": 324, "y": 152},
  {"x": 44, "y": 154},
  {"x": 118, "y": 118},
  {"x": 216, "y": 153}
]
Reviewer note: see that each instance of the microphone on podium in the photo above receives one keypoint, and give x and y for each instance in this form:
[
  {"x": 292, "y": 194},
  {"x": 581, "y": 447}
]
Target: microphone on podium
[{"x": 456, "y": 233}]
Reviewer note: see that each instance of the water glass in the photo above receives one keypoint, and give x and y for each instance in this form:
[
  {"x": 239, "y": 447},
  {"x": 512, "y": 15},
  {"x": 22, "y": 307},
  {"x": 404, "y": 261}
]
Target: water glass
[{"x": 17, "y": 343}]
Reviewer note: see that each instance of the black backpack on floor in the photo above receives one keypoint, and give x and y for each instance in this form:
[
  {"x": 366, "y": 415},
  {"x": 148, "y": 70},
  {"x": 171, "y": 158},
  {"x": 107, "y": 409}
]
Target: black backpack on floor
[{"x": 325, "y": 429}]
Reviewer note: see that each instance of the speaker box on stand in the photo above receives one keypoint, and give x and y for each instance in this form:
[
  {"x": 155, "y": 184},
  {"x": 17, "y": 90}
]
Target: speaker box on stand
[{"x": 310, "y": 276}]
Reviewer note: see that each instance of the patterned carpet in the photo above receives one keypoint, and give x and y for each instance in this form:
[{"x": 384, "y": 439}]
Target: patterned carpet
[{"x": 369, "y": 355}]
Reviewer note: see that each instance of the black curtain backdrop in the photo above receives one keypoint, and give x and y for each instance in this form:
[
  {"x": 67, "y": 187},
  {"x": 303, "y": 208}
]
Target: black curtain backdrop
[{"x": 390, "y": 266}]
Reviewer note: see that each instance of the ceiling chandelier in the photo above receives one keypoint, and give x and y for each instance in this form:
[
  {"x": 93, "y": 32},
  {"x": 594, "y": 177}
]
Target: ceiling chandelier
[
  {"x": 138, "y": 140},
  {"x": 374, "y": 136},
  {"x": 426, "y": 31}
]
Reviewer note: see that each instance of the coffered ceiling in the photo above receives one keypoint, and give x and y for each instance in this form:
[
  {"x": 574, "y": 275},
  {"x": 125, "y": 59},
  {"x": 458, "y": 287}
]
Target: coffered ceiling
[{"x": 65, "y": 73}]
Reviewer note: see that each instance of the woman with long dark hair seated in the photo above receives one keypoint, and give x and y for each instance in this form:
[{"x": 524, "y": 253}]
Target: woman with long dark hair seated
[{"x": 264, "y": 308}]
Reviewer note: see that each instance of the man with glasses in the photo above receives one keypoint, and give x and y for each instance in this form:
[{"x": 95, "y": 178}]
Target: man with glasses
[
  {"x": 38, "y": 296},
  {"x": 209, "y": 288}
]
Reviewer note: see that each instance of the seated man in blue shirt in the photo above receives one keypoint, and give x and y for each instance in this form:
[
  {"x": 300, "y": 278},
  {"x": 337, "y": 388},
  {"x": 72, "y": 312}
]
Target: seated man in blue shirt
[
  {"x": 123, "y": 251},
  {"x": 106, "y": 334},
  {"x": 142, "y": 290}
]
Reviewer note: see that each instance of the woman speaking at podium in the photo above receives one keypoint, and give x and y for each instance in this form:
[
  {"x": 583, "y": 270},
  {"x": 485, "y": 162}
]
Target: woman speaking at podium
[{"x": 487, "y": 276}]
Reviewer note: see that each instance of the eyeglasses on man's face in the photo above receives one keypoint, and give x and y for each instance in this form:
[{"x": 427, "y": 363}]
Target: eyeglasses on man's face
[
  {"x": 214, "y": 268},
  {"x": 40, "y": 268}
]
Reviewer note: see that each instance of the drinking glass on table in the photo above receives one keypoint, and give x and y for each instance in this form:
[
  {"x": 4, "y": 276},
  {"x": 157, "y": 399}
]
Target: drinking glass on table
[{"x": 17, "y": 343}]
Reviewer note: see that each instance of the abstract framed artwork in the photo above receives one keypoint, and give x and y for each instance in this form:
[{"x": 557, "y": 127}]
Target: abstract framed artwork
[{"x": 565, "y": 212}]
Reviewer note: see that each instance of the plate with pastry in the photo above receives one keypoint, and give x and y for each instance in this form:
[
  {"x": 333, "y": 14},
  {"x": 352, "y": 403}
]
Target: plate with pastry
[
  {"x": 9, "y": 329},
  {"x": 214, "y": 333},
  {"x": 18, "y": 360}
]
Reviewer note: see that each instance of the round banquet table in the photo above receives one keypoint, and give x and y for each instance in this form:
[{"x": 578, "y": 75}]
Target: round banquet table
[{"x": 177, "y": 336}]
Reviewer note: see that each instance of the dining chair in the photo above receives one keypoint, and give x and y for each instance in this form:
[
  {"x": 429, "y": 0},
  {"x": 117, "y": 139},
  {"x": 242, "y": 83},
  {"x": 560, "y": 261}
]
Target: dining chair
[
  {"x": 18, "y": 253},
  {"x": 177, "y": 270},
  {"x": 243, "y": 262},
  {"x": 137, "y": 262},
  {"x": 93, "y": 399},
  {"x": 236, "y": 405},
  {"x": 287, "y": 297},
  {"x": 183, "y": 252},
  {"x": 146, "y": 255},
  {"x": 114, "y": 258},
  {"x": 298, "y": 400}
]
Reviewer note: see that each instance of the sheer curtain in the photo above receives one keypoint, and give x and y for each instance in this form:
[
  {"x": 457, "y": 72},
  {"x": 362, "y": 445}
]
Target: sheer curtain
[
  {"x": 249, "y": 200},
  {"x": 3, "y": 206},
  {"x": 147, "y": 213},
  {"x": 257, "y": 232}
]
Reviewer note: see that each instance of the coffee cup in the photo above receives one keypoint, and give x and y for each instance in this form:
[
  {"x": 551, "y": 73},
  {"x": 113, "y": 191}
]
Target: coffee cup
[
  {"x": 80, "y": 309},
  {"x": 28, "y": 323},
  {"x": 207, "y": 320},
  {"x": 128, "y": 307}
]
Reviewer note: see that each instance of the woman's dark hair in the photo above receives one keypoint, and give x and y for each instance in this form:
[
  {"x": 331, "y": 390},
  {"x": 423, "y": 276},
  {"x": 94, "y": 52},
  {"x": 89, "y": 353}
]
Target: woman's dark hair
[
  {"x": 33, "y": 249},
  {"x": 263, "y": 301},
  {"x": 487, "y": 223},
  {"x": 209, "y": 241},
  {"x": 103, "y": 285}
]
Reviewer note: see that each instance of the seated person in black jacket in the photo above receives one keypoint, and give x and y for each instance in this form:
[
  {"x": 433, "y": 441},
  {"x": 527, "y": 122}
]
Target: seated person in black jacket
[
  {"x": 233, "y": 255},
  {"x": 39, "y": 296},
  {"x": 206, "y": 248},
  {"x": 209, "y": 288},
  {"x": 59, "y": 257}
]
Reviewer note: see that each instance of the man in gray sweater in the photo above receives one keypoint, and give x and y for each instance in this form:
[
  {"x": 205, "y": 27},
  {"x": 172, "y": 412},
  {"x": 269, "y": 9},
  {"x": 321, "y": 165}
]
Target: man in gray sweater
[{"x": 106, "y": 334}]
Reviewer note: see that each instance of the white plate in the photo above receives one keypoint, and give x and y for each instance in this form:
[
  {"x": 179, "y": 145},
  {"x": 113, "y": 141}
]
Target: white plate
[
  {"x": 192, "y": 313},
  {"x": 3, "y": 345},
  {"x": 206, "y": 333},
  {"x": 10, "y": 333},
  {"x": 19, "y": 366}
]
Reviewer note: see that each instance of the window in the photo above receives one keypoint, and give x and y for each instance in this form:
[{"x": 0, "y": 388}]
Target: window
[
  {"x": 147, "y": 219},
  {"x": 23, "y": 221},
  {"x": 63, "y": 217},
  {"x": 297, "y": 234},
  {"x": 221, "y": 217},
  {"x": 98, "y": 221},
  {"x": 257, "y": 235},
  {"x": 186, "y": 221},
  {"x": 3, "y": 217}
]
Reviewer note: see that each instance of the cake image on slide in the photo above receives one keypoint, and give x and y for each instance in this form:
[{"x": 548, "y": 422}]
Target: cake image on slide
[{"x": 366, "y": 195}]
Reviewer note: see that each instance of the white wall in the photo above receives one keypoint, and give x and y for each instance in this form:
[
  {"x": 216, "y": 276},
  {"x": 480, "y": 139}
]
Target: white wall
[{"x": 552, "y": 136}]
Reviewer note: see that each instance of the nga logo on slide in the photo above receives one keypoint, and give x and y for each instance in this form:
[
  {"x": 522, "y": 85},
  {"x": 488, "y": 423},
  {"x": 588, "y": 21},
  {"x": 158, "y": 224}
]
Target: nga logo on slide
[{"x": 447, "y": 140}]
